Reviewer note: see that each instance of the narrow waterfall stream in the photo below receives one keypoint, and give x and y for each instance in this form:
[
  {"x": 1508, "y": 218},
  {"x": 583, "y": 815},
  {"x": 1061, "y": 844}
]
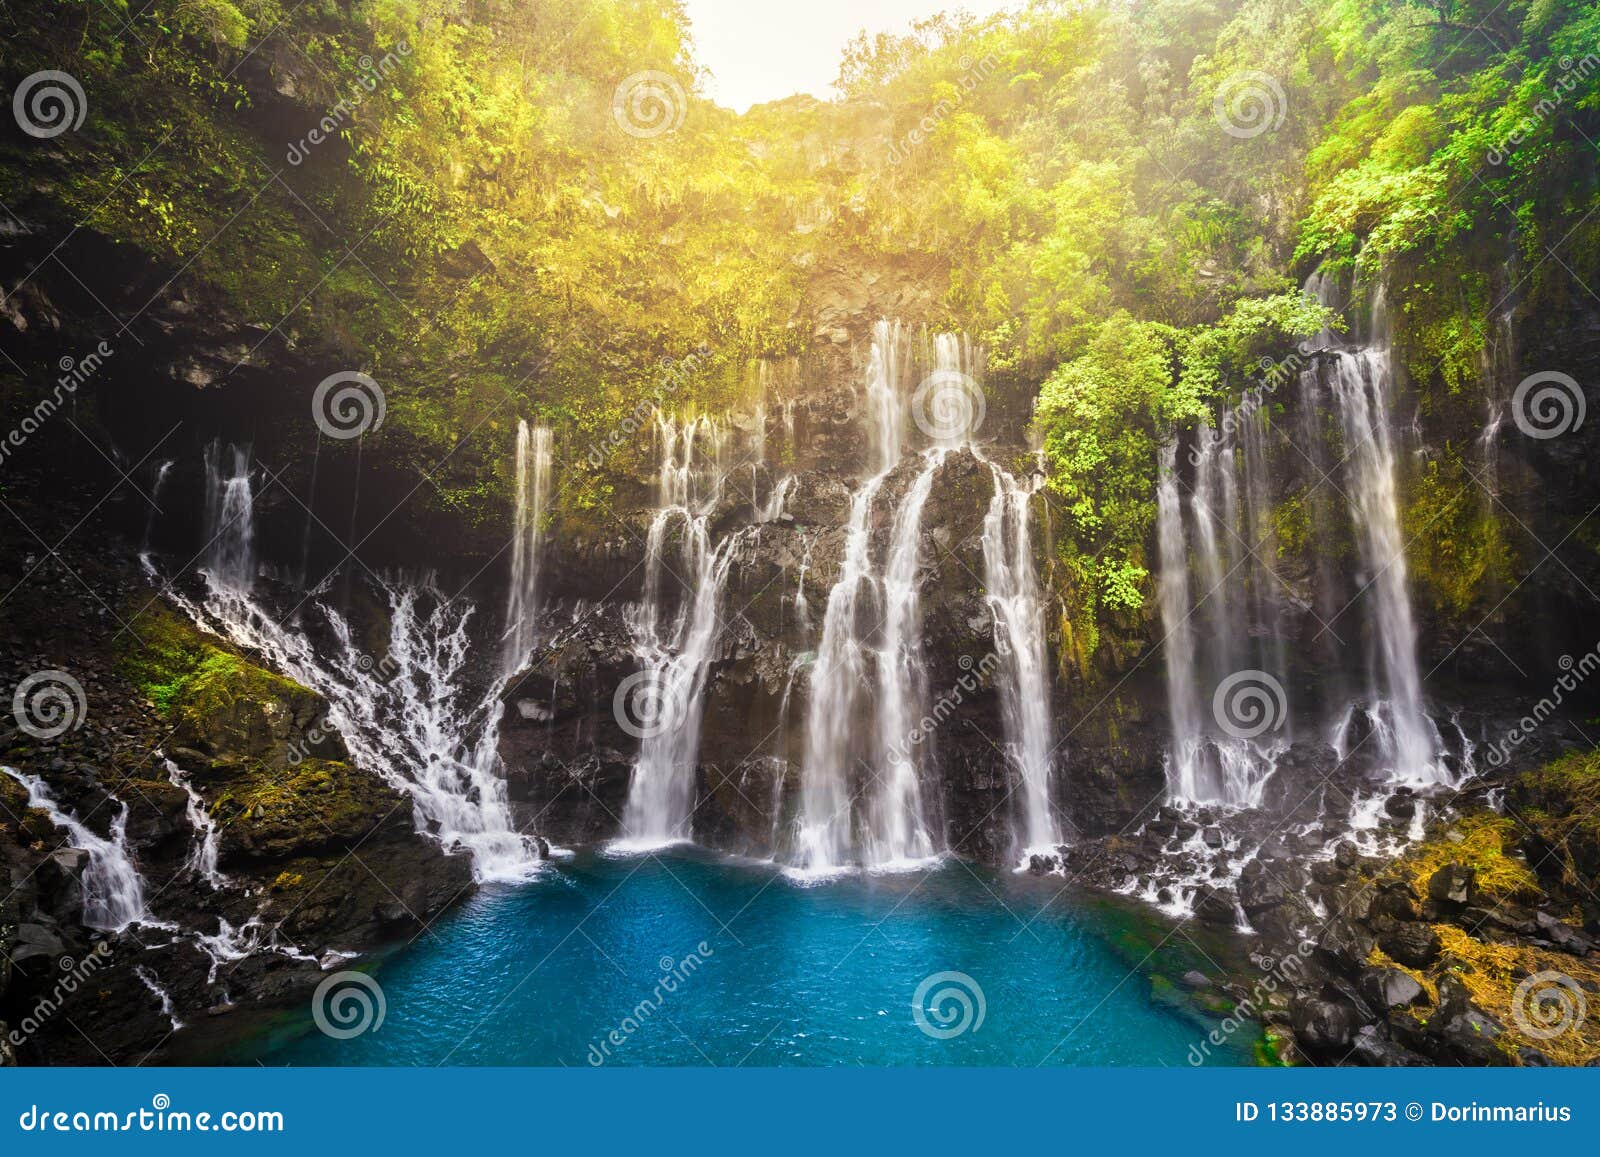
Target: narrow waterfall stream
[
  {"x": 1360, "y": 386},
  {"x": 203, "y": 856},
  {"x": 113, "y": 892},
  {"x": 664, "y": 702},
  {"x": 534, "y": 465},
  {"x": 1017, "y": 603}
]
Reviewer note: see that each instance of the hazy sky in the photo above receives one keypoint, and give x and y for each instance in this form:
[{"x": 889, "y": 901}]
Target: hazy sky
[{"x": 760, "y": 50}]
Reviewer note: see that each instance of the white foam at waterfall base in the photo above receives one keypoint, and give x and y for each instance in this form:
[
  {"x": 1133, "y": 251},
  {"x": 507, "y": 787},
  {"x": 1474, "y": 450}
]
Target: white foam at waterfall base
[{"x": 113, "y": 892}]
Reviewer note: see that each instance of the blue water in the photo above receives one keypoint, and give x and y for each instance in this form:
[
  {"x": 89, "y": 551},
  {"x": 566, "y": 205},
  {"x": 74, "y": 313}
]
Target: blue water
[{"x": 735, "y": 964}]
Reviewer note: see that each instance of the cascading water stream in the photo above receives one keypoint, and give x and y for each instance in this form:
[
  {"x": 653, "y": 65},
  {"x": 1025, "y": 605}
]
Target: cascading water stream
[
  {"x": 1213, "y": 642},
  {"x": 230, "y": 518},
  {"x": 663, "y": 704},
  {"x": 203, "y": 857},
  {"x": 411, "y": 716},
  {"x": 1017, "y": 603},
  {"x": 533, "y": 470},
  {"x": 113, "y": 893},
  {"x": 897, "y": 830},
  {"x": 1360, "y": 384},
  {"x": 894, "y": 828}
]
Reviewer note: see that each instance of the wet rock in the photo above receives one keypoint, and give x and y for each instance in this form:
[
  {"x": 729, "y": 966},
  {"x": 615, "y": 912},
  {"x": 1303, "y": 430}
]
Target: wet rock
[
  {"x": 1387, "y": 988},
  {"x": 1322, "y": 1025},
  {"x": 1215, "y": 906},
  {"x": 1454, "y": 885},
  {"x": 1413, "y": 944},
  {"x": 1372, "y": 1047},
  {"x": 1212, "y": 837}
]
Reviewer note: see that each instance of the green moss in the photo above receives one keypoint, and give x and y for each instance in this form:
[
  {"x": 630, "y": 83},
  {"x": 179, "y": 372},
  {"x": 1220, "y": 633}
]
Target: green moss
[
  {"x": 1458, "y": 552},
  {"x": 1266, "y": 1050},
  {"x": 189, "y": 676}
]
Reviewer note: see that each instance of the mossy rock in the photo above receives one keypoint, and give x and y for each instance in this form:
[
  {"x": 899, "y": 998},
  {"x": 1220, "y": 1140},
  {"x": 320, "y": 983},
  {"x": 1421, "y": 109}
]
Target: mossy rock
[{"x": 217, "y": 700}]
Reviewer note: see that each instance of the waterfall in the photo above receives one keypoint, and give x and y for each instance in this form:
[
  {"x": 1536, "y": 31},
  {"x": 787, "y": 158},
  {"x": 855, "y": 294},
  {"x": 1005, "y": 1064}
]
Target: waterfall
[
  {"x": 203, "y": 857},
  {"x": 1214, "y": 648},
  {"x": 1017, "y": 604},
  {"x": 230, "y": 520},
  {"x": 148, "y": 979},
  {"x": 1222, "y": 605},
  {"x": 411, "y": 716},
  {"x": 895, "y": 830},
  {"x": 1178, "y": 645},
  {"x": 1408, "y": 740},
  {"x": 663, "y": 703},
  {"x": 113, "y": 893},
  {"x": 533, "y": 470}
]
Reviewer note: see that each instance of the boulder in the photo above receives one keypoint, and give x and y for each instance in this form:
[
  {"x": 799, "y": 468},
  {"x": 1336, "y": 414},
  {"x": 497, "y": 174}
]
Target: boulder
[
  {"x": 1322, "y": 1025},
  {"x": 1454, "y": 886},
  {"x": 1411, "y": 943},
  {"x": 1388, "y": 988}
]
